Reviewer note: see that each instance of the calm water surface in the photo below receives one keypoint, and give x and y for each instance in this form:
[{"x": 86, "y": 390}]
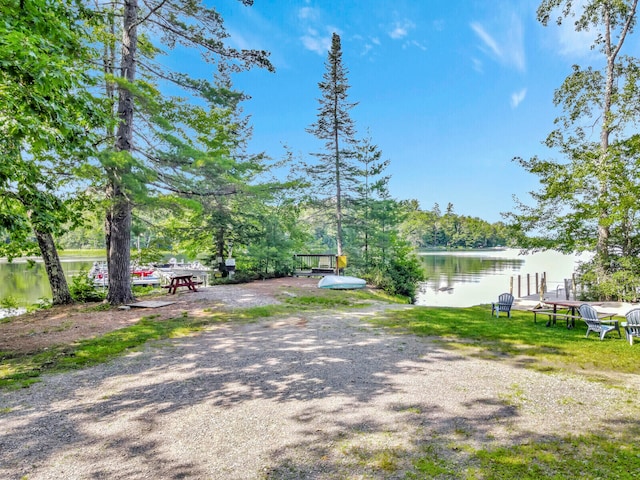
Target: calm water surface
[
  {"x": 455, "y": 279},
  {"x": 467, "y": 278},
  {"x": 28, "y": 283}
]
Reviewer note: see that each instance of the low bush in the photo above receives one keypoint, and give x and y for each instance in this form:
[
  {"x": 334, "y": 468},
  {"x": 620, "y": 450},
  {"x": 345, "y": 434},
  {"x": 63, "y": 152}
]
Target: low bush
[{"x": 83, "y": 290}]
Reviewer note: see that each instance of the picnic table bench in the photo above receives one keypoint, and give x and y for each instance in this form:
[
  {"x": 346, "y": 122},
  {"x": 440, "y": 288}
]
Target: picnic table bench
[
  {"x": 182, "y": 281},
  {"x": 551, "y": 310}
]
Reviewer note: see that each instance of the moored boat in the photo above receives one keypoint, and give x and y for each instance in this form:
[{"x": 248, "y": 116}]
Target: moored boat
[
  {"x": 336, "y": 282},
  {"x": 140, "y": 275}
]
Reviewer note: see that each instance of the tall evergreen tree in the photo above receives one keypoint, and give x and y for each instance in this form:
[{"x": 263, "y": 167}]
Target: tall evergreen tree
[
  {"x": 366, "y": 206},
  {"x": 335, "y": 170},
  {"x": 133, "y": 164}
]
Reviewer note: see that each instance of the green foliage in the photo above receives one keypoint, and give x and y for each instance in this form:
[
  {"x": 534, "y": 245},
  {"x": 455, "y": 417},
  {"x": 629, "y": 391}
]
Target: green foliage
[
  {"x": 83, "y": 290},
  {"x": 400, "y": 274},
  {"x": 589, "y": 199},
  {"x": 334, "y": 175},
  {"x": 430, "y": 229},
  {"x": 620, "y": 283},
  {"x": 9, "y": 302},
  {"x": 43, "y": 303}
]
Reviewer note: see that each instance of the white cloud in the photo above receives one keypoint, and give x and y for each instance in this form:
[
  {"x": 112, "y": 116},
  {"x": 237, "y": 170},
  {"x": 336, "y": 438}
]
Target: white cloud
[
  {"x": 509, "y": 49},
  {"x": 319, "y": 42},
  {"x": 518, "y": 97},
  {"x": 400, "y": 29},
  {"x": 415, "y": 43},
  {"x": 316, "y": 43},
  {"x": 308, "y": 13},
  {"x": 487, "y": 39}
]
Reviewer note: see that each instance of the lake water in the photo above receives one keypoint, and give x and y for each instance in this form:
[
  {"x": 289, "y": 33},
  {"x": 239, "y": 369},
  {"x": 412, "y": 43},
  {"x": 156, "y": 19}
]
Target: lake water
[
  {"x": 467, "y": 278},
  {"x": 27, "y": 284},
  {"x": 455, "y": 279}
]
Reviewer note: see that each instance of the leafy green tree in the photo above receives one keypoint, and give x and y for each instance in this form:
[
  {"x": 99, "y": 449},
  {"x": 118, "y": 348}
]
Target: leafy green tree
[
  {"x": 46, "y": 118},
  {"x": 335, "y": 171},
  {"x": 586, "y": 201}
]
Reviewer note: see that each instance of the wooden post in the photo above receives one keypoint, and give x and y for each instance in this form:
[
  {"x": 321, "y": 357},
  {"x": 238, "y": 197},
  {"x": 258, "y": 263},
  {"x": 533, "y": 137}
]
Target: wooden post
[
  {"x": 519, "y": 286},
  {"x": 528, "y": 286},
  {"x": 537, "y": 283},
  {"x": 511, "y": 285},
  {"x": 543, "y": 287},
  {"x": 567, "y": 288},
  {"x": 574, "y": 286},
  {"x": 544, "y": 281}
]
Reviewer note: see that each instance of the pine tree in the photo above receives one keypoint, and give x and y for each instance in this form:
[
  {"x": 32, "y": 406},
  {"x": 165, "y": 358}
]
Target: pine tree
[
  {"x": 335, "y": 169},
  {"x": 131, "y": 166}
]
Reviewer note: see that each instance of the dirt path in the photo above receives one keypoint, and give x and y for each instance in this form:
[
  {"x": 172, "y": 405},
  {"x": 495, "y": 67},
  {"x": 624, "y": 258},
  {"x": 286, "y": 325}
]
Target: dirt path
[
  {"x": 61, "y": 325},
  {"x": 307, "y": 397}
]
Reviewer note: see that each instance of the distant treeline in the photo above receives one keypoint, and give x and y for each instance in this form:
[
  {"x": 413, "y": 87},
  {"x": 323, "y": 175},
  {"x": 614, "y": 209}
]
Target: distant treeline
[{"x": 431, "y": 228}]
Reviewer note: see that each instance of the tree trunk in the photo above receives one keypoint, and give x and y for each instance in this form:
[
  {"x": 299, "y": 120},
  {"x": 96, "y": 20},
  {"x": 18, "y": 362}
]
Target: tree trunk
[
  {"x": 119, "y": 229},
  {"x": 57, "y": 280},
  {"x": 336, "y": 140},
  {"x": 611, "y": 52}
]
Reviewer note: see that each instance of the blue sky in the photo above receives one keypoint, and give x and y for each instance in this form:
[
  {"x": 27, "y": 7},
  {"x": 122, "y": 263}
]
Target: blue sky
[{"x": 449, "y": 90}]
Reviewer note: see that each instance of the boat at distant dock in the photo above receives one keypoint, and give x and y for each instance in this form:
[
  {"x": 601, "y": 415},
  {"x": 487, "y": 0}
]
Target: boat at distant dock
[{"x": 140, "y": 275}]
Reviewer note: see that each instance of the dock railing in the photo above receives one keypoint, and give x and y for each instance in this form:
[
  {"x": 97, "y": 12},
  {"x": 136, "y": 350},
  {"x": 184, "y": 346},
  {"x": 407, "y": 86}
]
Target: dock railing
[{"x": 523, "y": 285}]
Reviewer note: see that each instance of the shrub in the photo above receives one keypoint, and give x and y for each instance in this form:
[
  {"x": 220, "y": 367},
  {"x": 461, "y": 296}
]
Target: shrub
[
  {"x": 83, "y": 290},
  {"x": 400, "y": 275}
]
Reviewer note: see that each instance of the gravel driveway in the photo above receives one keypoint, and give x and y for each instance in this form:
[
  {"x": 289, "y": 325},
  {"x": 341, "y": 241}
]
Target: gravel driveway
[{"x": 320, "y": 397}]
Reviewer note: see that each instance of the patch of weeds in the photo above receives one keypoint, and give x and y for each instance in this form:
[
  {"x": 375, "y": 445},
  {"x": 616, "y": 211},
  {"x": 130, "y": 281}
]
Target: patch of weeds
[
  {"x": 324, "y": 301},
  {"x": 11, "y": 306},
  {"x": 414, "y": 410},
  {"x": 385, "y": 460},
  {"x": 569, "y": 401},
  {"x": 514, "y": 397},
  {"x": 254, "y": 313},
  {"x": 430, "y": 465},
  {"x": 83, "y": 290},
  {"x": 590, "y": 456},
  {"x": 462, "y": 431},
  {"x": 66, "y": 325},
  {"x": 5, "y": 410},
  {"x": 145, "y": 290},
  {"x": 100, "y": 307},
  {"x": 43, "y": 303}
]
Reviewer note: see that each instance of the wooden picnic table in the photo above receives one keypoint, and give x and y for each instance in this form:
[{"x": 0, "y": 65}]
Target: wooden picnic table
[
  {"x": 570, "y": 314},
  {"x": 182, "y": 281}
]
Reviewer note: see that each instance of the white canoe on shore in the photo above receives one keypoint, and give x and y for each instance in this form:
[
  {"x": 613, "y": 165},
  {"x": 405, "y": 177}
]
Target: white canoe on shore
[{"x": 336, "y": 282}]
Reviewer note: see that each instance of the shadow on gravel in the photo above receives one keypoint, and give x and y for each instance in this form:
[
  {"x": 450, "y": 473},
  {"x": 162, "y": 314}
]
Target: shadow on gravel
[{"x": 292, "y": 398}]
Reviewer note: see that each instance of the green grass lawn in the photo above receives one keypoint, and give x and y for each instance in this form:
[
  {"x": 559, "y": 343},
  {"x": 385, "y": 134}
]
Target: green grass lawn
[{"x": 554, "y": 347}]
